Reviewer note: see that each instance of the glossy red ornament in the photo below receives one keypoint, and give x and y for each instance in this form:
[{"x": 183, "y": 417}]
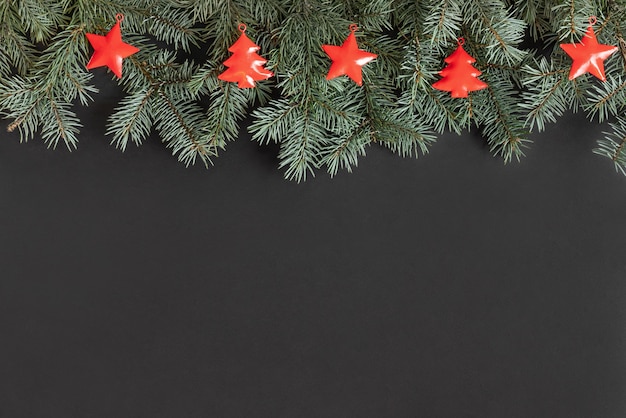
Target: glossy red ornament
[
  {"x": 588, "y": 56},
  {"x": 245, "y": 66},
  {"x": 348, "y": 59},
  {"x": 110, "y": 50},
  {"x": 459, "y": 76}
]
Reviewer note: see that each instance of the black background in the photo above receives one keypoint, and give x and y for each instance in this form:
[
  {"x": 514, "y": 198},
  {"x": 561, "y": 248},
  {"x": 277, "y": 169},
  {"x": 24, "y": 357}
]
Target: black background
[{"x": 448, "y": 286}]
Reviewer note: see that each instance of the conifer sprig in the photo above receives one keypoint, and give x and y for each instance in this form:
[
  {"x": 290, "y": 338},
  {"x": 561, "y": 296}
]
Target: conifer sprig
[
  {"x": 613, "y": 145},
  {"x": 548, "y": 91}
]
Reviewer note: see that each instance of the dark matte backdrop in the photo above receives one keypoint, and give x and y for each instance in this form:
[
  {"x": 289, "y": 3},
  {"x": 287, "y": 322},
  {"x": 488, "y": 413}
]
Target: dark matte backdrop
[{"x": 449, "y": 286}]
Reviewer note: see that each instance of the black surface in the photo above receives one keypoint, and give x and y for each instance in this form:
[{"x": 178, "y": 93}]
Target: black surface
[{"x": 450, "y": 286}]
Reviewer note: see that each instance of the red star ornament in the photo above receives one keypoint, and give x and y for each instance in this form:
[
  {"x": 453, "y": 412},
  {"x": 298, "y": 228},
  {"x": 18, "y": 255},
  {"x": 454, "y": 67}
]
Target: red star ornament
[
  {"x": 348, "y": 59},
  {"x": 588, "y": 56},
  {"x": 110, "y": 50},
  {"x": 245, "y": 66},
  {"x": 459, "y": 77}
]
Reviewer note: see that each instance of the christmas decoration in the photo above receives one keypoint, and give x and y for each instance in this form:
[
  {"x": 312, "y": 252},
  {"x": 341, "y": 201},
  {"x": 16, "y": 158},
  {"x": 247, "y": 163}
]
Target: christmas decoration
[
  {"x": 110, "y": 50},
  {"x": 348, "y": 59},
  {"x": 459, "y": 76},
  {"x": 588, "y": 55},
  {"x": 317, "y": 125},
  {"x": 245, "y": 66}
]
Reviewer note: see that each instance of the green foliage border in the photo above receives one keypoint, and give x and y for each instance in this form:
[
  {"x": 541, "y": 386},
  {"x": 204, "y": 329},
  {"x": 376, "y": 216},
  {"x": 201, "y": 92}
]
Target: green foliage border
[{"x": 318, "y": 123}]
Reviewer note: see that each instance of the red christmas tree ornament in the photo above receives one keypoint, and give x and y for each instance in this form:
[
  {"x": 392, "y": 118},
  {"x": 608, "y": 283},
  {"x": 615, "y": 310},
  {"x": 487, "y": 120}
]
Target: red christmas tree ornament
[
  {"x": 110, "y": 50},
  {"x": 348, "y": 59},
  {"x": 245, "y": 66},
  {"x": 588, "y": 56},
  {"x": 460, "y": 76}
]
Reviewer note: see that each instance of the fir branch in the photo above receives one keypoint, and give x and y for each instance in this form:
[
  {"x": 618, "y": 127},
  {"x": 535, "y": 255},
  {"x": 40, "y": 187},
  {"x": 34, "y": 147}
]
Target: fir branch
[
  {"x": 178, "y": 124},
  {"x": 343, "y": 152},
  {"x": 496, "y": 31},
  {"x": 300, "y": 62},
  {"x": 435, "y": 108},
  {"x": 273, "y": 121},
  {"x": 173, "y": 25},
  {"x": 536, "y": 15},
  {"x": 548, "y": 94},
  {"x": 41, "y": 18},
  {"x": 201, "y": 9},
  {"x": 58, "y": 122},
  {"x": 375, "y": 15},
  {"x": 62, "y": 64},
  {"x": 99, "y": 15},
  {"x": 350, "y": 125},
  {"x": 15, "y": 51},
  {"x": 204, "y": 80},
  {"x": 419, "y": 66},
  {"x": 297, "y": 128},
  {"x": 22, "y": 104},
  {"x": 223, "y": 24},
  {"x": 500, "y": 117},
  {"x": 388, "y": 64},
  {"x": 132, "y": 120},
  {"x": 301, "y": 150},
  {"x": 613, "y": 146},
  {"x": 159, "y": 96},
  {"x": 406, "y": 135},
  {"x": 228, "y": 107},
  {"x": 52, "y": 85},
  {"x": 607, "y": 99},
  {"x": 570, "y": 18},
  {"x": 444, "y": 23}
]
